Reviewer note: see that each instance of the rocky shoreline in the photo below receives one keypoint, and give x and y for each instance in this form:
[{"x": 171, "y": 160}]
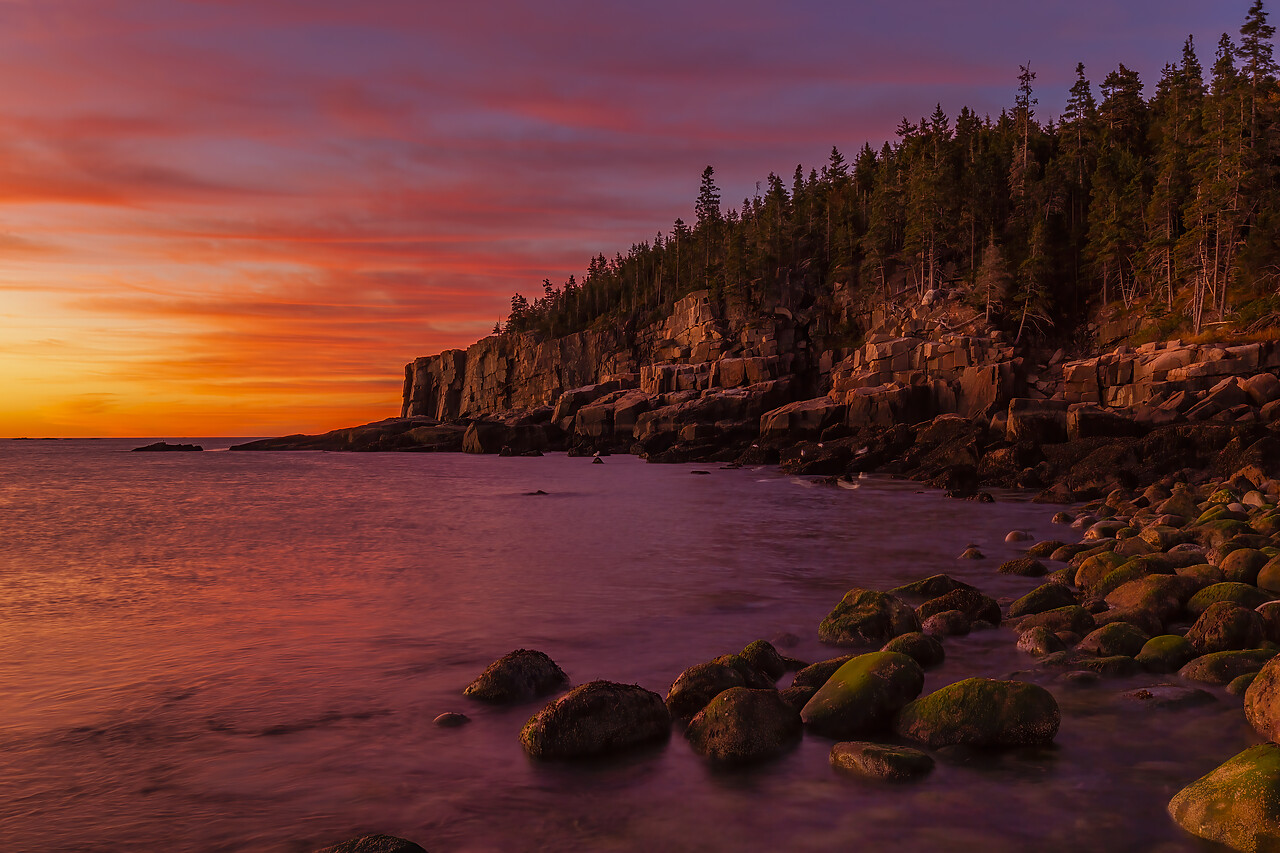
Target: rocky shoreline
[{"x": 1168, "y": 564}]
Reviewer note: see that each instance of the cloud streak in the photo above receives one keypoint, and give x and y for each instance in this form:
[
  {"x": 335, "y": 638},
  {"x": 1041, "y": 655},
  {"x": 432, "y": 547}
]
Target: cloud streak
[{"x": 245, "y": 216}]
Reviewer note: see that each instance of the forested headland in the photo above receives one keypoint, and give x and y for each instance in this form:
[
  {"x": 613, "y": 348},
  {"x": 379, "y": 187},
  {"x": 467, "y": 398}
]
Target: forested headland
[{"x": 1167, "y": 205}]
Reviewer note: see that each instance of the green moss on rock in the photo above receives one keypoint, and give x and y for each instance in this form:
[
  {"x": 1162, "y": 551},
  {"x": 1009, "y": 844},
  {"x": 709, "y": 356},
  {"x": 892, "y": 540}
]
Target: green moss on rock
[
  {"x": 1238, "y": 804},
  {"x": 982, "y": 712}
]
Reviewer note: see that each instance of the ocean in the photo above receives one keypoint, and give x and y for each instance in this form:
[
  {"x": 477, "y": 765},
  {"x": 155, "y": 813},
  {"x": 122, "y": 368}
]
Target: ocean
[{"x": 245, "y": 652}]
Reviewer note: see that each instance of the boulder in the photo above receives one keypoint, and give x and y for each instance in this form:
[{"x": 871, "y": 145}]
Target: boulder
[
  {"x": 764, "y": 657},
  {"x": 1169, "y": 697},
  {"x": 1165, "y": 653},
  {"x": 1115, "y": 638},
  {"x": 1037, "y": 421},
  {"x": 1238, "y": 804},
  {"x": 598, "y": 717},
  {"x": 1025, "y": 566},
  {"x": 865, "y": 616},
  {"x": 1073, "y": 618},
  {"x": 803, "y": 419},
  {"x": 1225, "y": 667},
  {"x": 1269, "y": 576},
  {"x": 878, "y": 761},
  {"x": 1242, "y": 594},
  {"x": 517, "y": 677},
  {"x": 972, "y": 603},
  {"x": 1243, "y": 565},
  {"x": 924, "y": 649},
  {"x": 698, "y": 685},
  {"x": 863, "y": 695},
  {"x": 816, "y": 674},
  {"x": 1045, "y": 597},
  {"x": 930, "y": 587},
  {"x": 1163, "y": 596},
  {"x": 742, "y": 725},
  {"x": 982, "y": 712},
  {"x": 1039, "y": 642},
  {"x": 1262, "y": 701},
  {"x": 1224, "y": 627},
  {"x": 374, "y": 844}
]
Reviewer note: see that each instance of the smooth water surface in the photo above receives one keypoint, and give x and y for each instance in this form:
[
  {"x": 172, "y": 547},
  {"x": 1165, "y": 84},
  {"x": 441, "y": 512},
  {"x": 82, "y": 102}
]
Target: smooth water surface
[{"x": 245, "y": 651}]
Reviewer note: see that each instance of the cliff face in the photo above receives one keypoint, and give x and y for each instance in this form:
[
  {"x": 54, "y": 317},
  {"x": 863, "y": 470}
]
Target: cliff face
[{"x": 697, "y": 379}]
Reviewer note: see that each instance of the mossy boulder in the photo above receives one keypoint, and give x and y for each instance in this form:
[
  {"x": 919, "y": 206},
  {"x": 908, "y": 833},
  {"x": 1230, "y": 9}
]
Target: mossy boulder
[
  {"x": 764, "y": 657},
  {"x": 879, "y": 761},
  {"x": 1072, "y": 618},
  {"x": 596, "y": 718},
  {"x": 1224, "y": 627},
  {"x": 1027, "y": 567},
  {"x": 751, "y": 677},
  {"x": 1164, "y": 596},
  {"x": 1044, "y": 550},
  {"x": 1270, "y": 615},
  {"x": 1097, "y": 567},
  {"x": 1115, "y": 638},
  {"x": 698, "y": 685},
  {"x": 1262, "y": 701},
  {"x": 948, "y": 623},
  {"x": 923, "y": 648},
  {"x": 866, "y": 616},
  {"x": 972, "y": 603},
  {"x": 375, "y": 844},
  {"x": 930, "y": 587},
  {"x": 1165, "y": 653},
  {"x": 742, "y": 725},
  {"x": 1225, "y": 667},
  {"x": 1268, "y": 578},
  {"x": 1242, "y": 565},
  {"x": 816, "y": 674},
  {"x": 1039, "y": 642},
  {"x": 1238, "y": 804},
  {"x": 863, "y": 695},
  {"x": 1162, "y": 537},
  {"x": 1242, "y": 594},
  {"x": 1111, "y": 666},
  {"x": 517, "y": 677},
  {"x": 1044, "y": 597},
  {"x": 1214, "y": 533},
  {"x": 982, "y": 712}
]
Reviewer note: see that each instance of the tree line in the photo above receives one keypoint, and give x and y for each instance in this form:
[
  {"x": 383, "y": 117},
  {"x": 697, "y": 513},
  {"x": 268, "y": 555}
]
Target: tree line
[{"x": 1170, "y": 203}]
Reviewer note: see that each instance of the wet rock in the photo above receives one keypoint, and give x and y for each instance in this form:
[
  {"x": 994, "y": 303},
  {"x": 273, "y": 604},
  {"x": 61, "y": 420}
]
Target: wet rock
[
  {"x": 1073, "y": 618},
  {"x": 1040, "y": 641},
  {"x": 451, "y": 720},
  {"x": 1116, "y": 638},
  {"x": 597, "y": 718},
  {"x": 972, "y": 603},
  {"x": 517, "y": 677},
  {"x": 698, "y": 685},
  {"x": 1269, "y": 576},
  {"x": 797, "y": 696},
  {"x": 863, "y": 695},
  {"x": 948, "y": 623},
  {"x": 1270, "y": 615},
  {"x": 878, "y": 761},
  {"x": 1110, "y": 666},
  {"x": 1024, "y": 566},
  {"x": 763, "y": 656},
  {"x": 1225, "y": 626},
  {"x": 924, "y": 649},
  {"x": 815, "y": 675},
  {"x": 1018, "y": 536},
  {"x": 751, "y": 677},
  {"x": 982, "y": 712},
  {"x": 1169, "y": 696},
  {"x": 743, "y": 725},
  {"x": 930, "y": 587},
  {"x": 1163, "y": 596},
  {"x": 1048, "y": 596},
  {"x": 1240, "y": 685},
  {"x": 375, "y": 844},
  {"x": 1242, "y": 565},
  {"x": 971, "y": 553},
  {"x": 1225, "y": 667},
  {"x": 1237, "y": 593},
  {"x": 1165, "y": 653},
  {"x": 1044, "y": 550},
  {"x": 1096, "y": 567},
  {"x": 1262, "y": 701},
  {"x": 865, "y": 616},
  {"x": 1235, "y": 804}
]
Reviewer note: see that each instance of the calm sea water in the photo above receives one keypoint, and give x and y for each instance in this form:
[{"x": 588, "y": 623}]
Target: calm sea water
[{"x": 245, "y": 651}]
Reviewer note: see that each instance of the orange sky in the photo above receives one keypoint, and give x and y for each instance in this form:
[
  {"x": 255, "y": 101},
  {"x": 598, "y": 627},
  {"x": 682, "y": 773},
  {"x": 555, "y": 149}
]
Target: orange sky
[{"x": 242, "y": 218}]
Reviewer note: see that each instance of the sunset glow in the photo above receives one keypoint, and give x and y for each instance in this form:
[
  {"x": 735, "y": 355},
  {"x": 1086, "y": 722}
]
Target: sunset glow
[{"x": 234, "y": 218}]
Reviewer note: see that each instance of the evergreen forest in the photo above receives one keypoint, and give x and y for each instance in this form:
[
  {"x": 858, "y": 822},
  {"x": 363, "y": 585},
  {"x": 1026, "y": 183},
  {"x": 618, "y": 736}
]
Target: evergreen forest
[{"x": 1167, "y": 204}]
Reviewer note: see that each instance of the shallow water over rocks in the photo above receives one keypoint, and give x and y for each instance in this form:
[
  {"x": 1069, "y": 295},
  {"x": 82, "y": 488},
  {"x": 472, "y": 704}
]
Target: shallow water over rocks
[{"x": 221, "y": 651}]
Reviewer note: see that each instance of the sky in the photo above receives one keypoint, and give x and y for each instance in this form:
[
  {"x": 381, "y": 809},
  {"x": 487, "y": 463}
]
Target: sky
[{"x": 243, "y": 218}]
